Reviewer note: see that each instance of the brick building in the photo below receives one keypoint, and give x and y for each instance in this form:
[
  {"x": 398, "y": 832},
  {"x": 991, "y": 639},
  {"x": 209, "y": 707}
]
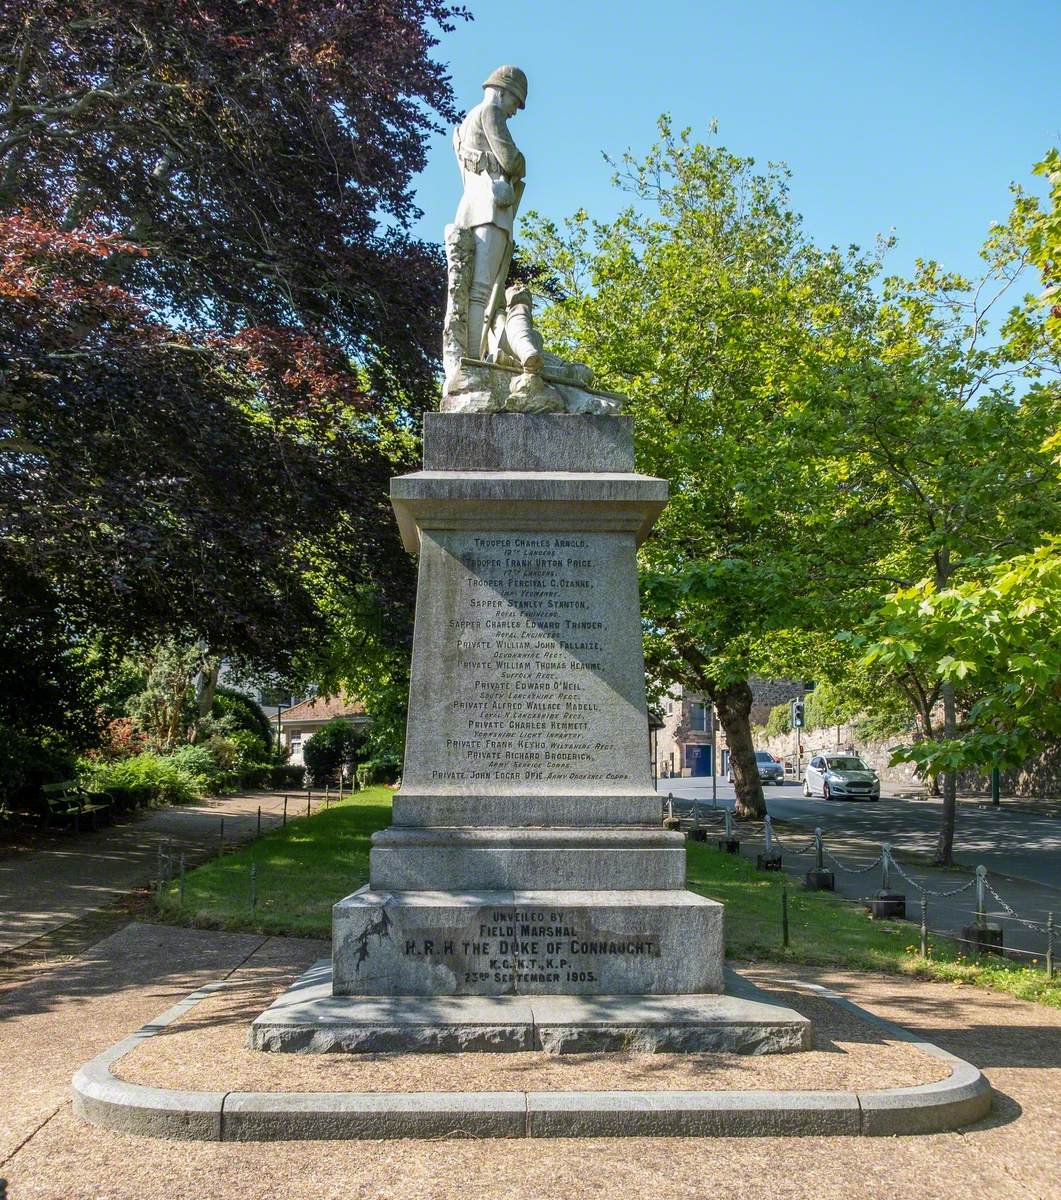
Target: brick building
[{"x": 684, "y": 743}]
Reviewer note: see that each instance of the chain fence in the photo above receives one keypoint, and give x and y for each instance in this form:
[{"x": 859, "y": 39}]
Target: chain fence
[{"x": 982, "y": 932}]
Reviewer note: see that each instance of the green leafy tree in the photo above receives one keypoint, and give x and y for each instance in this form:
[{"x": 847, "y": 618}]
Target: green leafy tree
[
  {"x": 331, "y": 748},
  {"x": 997, "y": 642},
  {"x": 706, "y": 304},
  {"x": 955, "y": 428}
]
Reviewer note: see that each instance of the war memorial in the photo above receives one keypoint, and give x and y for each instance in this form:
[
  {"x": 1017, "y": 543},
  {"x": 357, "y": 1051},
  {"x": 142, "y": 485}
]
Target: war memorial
[{"x": 526, "y": 895}]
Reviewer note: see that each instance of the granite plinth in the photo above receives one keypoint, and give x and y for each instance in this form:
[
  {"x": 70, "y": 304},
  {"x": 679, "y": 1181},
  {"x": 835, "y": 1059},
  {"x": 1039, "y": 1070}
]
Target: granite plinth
[
  {"x": 403, "y": 859},
  {"x": 532, "y": 442},
  {"x": 310, "y": 1018},
  {"x": 545, "y": 942}
]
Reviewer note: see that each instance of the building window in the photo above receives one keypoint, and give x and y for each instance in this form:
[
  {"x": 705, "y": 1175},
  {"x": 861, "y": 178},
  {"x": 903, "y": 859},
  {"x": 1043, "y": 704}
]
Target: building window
[{"x": 697, "y": 717}]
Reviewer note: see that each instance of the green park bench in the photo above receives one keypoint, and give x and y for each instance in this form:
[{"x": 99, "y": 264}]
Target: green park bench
[{"x": 67, "y": 804}]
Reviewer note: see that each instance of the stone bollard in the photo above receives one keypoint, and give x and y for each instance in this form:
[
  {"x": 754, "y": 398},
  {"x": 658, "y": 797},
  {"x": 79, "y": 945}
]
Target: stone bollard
[
  {"x": 697, "y": 833},
  {"x": 770, "y": 859},
  {"x": 887, "y": 905},
  {"x": 983, "y": 935},
  {"x": 818, "y": 879},
  {"x": 730, "y": 844}
]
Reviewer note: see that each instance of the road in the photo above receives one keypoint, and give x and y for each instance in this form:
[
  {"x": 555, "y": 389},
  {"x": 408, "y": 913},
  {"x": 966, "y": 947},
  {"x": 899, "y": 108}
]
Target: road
[{"x": 1020, "y": 849}]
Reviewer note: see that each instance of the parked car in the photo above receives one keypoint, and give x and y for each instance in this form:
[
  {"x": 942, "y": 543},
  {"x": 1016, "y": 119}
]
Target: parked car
[
  {"x": 841, "y": 777},
  {"x": 770, "y": 770}
]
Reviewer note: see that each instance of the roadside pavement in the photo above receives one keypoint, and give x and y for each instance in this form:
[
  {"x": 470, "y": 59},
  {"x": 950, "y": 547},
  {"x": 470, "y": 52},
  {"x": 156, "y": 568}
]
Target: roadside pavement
[
  {"x": 64, "y": 1015},
  {"x": 73, "y": 875}
]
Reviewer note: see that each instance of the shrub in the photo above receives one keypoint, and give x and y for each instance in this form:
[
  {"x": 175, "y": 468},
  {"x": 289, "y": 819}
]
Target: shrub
[
  {"x": 244, "y": 715},
  {"x": 26, "y": 764},
  {"x": 287, "y": 776},
  {"x": 146, "y": 779},
  {"x": 195, "y": 760},
  {"x": 377, "y": 770},
  {"x": 330, "y": 748}
]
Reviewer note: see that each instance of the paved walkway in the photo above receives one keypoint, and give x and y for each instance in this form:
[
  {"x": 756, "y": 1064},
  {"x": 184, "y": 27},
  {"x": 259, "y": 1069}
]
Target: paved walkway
[
  {"x": 73, "y": 875},
  {"x": 59, "y": 1017}
]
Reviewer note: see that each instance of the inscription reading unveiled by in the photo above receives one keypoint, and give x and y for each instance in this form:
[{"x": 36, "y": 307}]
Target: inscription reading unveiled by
[{"x": 513, "y": 946}]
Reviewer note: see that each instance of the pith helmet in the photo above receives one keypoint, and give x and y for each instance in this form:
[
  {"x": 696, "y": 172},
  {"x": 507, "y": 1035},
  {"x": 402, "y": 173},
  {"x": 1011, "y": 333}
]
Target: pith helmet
[{"x": 511, "y": 78}]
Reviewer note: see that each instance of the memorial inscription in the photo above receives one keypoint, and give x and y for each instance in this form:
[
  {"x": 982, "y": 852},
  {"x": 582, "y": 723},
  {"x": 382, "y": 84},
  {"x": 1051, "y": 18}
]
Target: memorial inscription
[{"x": 528, "y": 691}]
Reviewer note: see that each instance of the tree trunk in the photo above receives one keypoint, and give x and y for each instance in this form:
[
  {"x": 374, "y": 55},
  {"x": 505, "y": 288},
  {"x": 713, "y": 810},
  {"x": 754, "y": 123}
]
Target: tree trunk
[
  {"x": 205, "y": 686},
  {"x": 945, "y": 845},
  {"x": 734, "y": 704}
]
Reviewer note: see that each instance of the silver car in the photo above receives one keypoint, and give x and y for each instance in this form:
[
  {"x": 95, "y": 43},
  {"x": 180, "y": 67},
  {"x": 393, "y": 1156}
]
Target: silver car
[
  {"x": 841, "y": 777},
  {"x": 770, "y": 770}
]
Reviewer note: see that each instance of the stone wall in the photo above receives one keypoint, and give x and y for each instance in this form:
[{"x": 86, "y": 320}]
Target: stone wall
[
  {"x": 768, "y": 693},
  {"x": 1039, "y": 777},
  {"x": 841, "y": 739}
]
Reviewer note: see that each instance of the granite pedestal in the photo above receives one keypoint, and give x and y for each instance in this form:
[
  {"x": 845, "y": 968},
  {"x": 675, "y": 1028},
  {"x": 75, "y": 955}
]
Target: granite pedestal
[{"x": 527, "y": 856}]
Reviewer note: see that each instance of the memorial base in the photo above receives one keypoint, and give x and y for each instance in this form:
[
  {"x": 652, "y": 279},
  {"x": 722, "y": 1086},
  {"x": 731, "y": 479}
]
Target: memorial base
[
  {"x": 310, "y": 1019},
  {"x": 445, "y": 943}
]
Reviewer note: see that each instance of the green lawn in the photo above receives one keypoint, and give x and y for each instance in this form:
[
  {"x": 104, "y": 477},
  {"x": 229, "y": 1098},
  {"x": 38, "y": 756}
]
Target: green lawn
[{"x": 302, "y": 870}]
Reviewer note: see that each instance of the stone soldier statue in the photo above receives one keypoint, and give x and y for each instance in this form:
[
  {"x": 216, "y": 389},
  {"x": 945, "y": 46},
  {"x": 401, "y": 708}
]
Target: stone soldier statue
[{"x": 492, "y": 170}]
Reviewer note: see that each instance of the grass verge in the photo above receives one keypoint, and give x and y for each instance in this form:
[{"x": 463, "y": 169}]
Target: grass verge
[{"x": 301, "y": 870}]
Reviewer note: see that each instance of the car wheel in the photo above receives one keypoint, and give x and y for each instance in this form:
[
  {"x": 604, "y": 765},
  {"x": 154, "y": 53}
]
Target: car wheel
[
  {"x": 806, "y": 788},
  {"x": 825, "y": 792}
]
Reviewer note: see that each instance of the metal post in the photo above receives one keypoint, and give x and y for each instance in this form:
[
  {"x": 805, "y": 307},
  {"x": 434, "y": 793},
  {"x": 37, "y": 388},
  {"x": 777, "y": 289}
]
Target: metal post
[
  {"x": 784, "y": 916},
  {"x": 885, "y": 864},
  {"x": 924, "y": 927},
  {"x": 714, "y": 758},
  {"x": 1049, "y": 945},
  {"x": 981, "y": 878},
  {"x": 729, "y": 825},
  {"x": 670, "y": 805},
  {"x": 819, "y": 849},
  {"x": 768, "y": 832},
  {"x": 258, "y": 833},
  {"x": 309, "y": 801},
  {"x": 181, "y": 885},
  {"x": 254, "y": 886},
  {"x": 996, "y": 787},
  {"x": 285, "y": 812}
]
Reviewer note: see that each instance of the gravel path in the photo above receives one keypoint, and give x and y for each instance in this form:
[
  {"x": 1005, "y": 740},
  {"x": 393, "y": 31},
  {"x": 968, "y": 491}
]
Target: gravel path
[
  {"x": 59, "y": 1018},
  {"x": 209, "y": 1052},
  {"x": 69, "y": 876}
]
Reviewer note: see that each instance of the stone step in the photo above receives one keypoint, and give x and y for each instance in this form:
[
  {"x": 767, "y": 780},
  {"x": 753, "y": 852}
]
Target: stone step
[
  {"x": 308, "y": 1018},
  {"x": 413, "y": 858}
]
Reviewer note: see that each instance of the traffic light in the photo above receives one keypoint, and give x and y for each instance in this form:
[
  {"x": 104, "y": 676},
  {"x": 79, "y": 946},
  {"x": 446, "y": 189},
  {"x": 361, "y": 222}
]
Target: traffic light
[{"x": 797, "y": 714}]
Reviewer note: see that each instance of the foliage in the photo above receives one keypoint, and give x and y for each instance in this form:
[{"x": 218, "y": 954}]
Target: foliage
[
  {"x": 162, "y": 485},
  {"x": 998, "y": 641},
  {"x": 706, "y": 304},
  {"x": 145, "y": 778},
  {"x": 164, "y": 711},
  {"x": 378, "y": 770},
  {"x": 26, "y": 763},
  {"x": 243, "y": 714},
  {"x": 198, "y": 761},
  {"x": 260, "y": 150},
  {"x": 214, "y": 322},
  {"x": 331, "y": 748},
  {"x": 50, "y": 689}
]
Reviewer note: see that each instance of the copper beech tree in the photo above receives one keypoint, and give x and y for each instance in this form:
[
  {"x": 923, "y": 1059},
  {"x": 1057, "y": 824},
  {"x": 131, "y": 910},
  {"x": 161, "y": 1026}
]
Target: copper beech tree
[{"x": 215, "y": 326}]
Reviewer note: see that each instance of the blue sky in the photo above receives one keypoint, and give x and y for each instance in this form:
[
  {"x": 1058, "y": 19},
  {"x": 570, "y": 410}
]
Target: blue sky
[{"x": 912, "y": 116}]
